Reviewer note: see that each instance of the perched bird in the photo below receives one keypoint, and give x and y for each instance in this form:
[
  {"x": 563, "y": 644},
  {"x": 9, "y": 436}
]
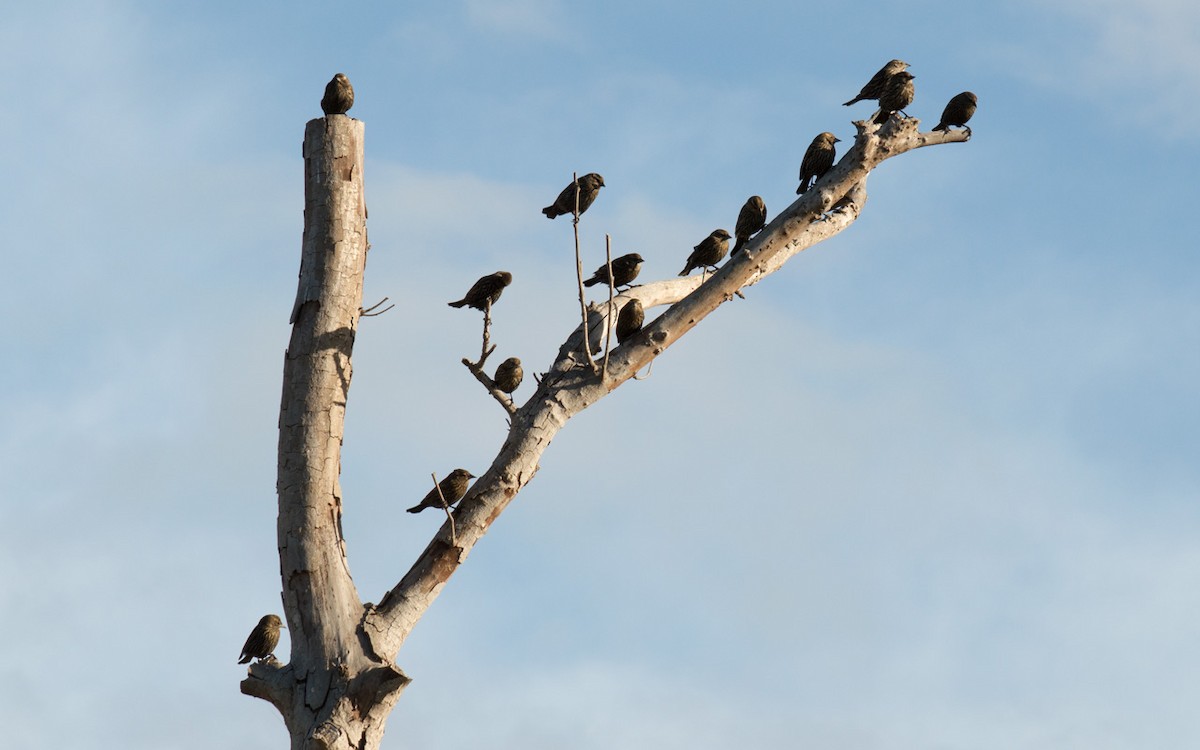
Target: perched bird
[
  {"x": 262, "y": 640},
  {"x": 897, "y": 95},
  {"x": 958, "y": 111},
  {"x": 709, "y": 252},
  {"x": 625, "y": 269},
  {"x": 564, "y": 204},
  {"x": 509, "y": 375},
  {"x": 629, "y": 320},
  {"x": 878, "y": 82},
  {"x": 485, "y": 291},
  {"x": 453, "y": 487},
  {"x": 818, "y": 160},
  {"x": 751, "y": 218},
  {"x": 339, "y": 96}
]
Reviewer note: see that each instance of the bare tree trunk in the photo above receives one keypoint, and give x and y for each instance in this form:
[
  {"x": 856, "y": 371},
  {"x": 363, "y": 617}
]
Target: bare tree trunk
[
  {"x": 341, "y": 681},
  {"x": 334, "y": 693}
]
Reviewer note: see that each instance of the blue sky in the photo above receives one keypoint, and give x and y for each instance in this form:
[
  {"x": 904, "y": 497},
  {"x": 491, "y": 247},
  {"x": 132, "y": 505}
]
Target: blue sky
[{"x": 934, "y": 484}]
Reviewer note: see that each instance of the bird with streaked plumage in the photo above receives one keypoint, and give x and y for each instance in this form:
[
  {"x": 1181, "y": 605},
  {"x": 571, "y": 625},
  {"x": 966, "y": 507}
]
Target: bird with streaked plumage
[
  {"x": 564, "y": 205},
  {"x": 818, "y": 160},
  {"x": 709, "y": 252},
  {"x": 452, "y": 488},
  {"x": 750, "y": 220},
  {"x": 484, "y": 292},
  {"x": 874, "y": 87},
  {"x": 339, "y": 96},
  {"x": 262, "y": 640}
]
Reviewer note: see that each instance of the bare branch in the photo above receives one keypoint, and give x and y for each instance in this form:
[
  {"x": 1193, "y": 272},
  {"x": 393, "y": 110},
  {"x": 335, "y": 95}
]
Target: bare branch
[
  {"x": 609, "y": 316},
  {"x": 370, "y": 311},
  {"x": 445, "y": 507},
  {"x": 579, "y": 269},
  {"x": 566, "y": 389}
]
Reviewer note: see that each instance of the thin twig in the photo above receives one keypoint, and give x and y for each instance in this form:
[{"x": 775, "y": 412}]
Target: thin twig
[
  {"x": 587, "y": 347},
  {"x": 445, "y": 507},
  {"x": 608, "y": 321},
  {"x": 370, "y": 313},
  {"x": 503, "y": 398},
  {"x": 648, "y": 369}
]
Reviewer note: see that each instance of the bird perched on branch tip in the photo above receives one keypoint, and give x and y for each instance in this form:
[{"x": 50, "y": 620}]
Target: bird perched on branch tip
[
  {"x": 875, "y": 86},
  {"x": 897, "y": 94},
  {"x": 624, "y": 270},
  {"x": 509, "y": 375},
  {"x": 485, "y": 291},
  {"x": 818, "y": 160},
  {"x": 453, "y": 487},
  {"x": 751, "y": 218},
  {"x": 709, "y": 252},
  {"x": 958, "y": 112},
  {"x": 564, "y": 204},
  {"x": 262, "y": 640},
  {"x": 339, "y": 96}
]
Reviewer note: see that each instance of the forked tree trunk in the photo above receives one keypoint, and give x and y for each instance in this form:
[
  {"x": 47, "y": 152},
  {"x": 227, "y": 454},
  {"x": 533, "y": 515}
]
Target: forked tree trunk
[
  {"x": 334, "y": 693},
  {"x": 341, "y": 681}
]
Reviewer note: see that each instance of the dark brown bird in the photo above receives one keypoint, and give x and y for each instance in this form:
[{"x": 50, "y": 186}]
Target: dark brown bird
[
  {"x": 625, "y": 269},
  {"x": 629, "y": 320},
  {"x": 564, "y": 204},
  {"x": 262, "y": 640},
  {"x": 751, "y": 218},
  {"x": 485, "y": 291},
  {"x": 509, "y": 375},
  {"x": 958, "y": 111},
  {"x": 453, "y": 487},
  {"x": 878, "y": 82},
  {"x": 709, "y": 252},
  {"x": 897, "y": 95},
  {"x": 818, "y": 160},
  {"x": 339, "y": 96}
]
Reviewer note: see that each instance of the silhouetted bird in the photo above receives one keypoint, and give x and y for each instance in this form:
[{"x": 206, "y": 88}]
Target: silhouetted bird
[
  {"x": 709, "y": 252},
  {"x": 486, "y": 290},
  {"x": 818, "y": 160},
  {"x": 958, "y": 111},
  {"x": 509, "y": 375},
  {"x": 629, "y": 320},
  {"x": 262, "y": 640},
  {"x": 751, "y": 218},
  {"x": 625, "y": 269},
  {"x": 564, "y": 204},
  {"x": 878, "y": 82},
  {"x": 339, "y": 96},
  {"x": 897, "y": 95},
  {"x": 453, "y": 487}
]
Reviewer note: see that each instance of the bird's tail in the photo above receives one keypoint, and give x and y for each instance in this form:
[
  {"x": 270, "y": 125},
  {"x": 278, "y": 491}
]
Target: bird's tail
[
  {"x": 941, "y": 126},
  {"x": 685, "y": 270},
  {"x": 852, "y": 101},
  {"x": 550, "y": 212},
  {"x": 737, "y": 246},
  {"x": 460, "y": 303},
  {"x": 416, "y": 509},
  {"x": 803, "y": 188},
  {"x": 592, "y": 282},
  {"x": 883, "y": 117}
]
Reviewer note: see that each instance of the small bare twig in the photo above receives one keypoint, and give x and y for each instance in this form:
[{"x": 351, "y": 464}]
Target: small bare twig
[
  {"x": 587, "y": 347},
  {"x": 445, "y": 507},
  {"x": 648, "y": 369},
  {"x": 608, "y": 321},
  {"x": 477, "y": 370},
  {"x": 370, "y": 311}
]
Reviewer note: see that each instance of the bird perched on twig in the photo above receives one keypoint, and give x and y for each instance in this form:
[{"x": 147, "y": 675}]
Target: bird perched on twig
[
  {"x": 818, "y": 160},
  {"x": 629, "y": 320},
  {"x": 875, "y": 86},
  {"x": 564, "y": 204},
  {"x": 958, "y": 111},
  {"x": 509, "y": 375},
  {"x": 485, "y": 291},
  {"x": 751, "y": 218},
  {"x": 339, "y": 96},
  {"x": 897, "y": 94},
  {"x": 624, "y": 270},
  {"x": 453, "y": 487},
  {"x": 709, "y": 252},
  {"x": 262, "y": 640}
]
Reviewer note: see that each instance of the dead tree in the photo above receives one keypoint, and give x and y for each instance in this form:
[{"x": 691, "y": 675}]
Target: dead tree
[{"x": 341, "y": 680}]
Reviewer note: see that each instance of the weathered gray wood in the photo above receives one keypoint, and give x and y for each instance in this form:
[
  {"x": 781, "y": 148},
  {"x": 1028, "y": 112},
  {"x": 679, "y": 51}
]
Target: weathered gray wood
[
  {"x": 572, "y": 384},
  {"x": 341, "y": 681},
  {"x": 333, "y": 693}
]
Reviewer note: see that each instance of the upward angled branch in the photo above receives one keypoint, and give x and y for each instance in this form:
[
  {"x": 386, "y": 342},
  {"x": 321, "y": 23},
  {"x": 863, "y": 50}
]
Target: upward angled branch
[{"x": 573, "y": 384}]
